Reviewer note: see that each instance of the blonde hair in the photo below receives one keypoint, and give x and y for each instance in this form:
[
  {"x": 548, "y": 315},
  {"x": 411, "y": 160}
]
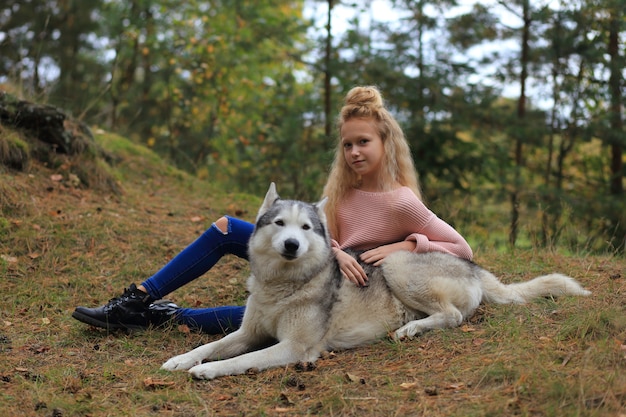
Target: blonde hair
[{"x": 366, "y": 102}]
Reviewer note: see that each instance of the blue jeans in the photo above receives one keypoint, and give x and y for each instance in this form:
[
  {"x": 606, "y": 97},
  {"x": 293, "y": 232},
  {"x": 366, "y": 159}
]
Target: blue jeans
[{"x": 194, "y": 261}]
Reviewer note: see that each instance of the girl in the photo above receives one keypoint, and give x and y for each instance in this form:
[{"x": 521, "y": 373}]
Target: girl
[{"x": 374, "y": 204}]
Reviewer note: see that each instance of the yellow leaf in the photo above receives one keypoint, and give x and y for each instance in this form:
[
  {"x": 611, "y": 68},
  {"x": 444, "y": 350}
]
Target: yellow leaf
[
  {"x": 466, "y": 328},
  {"x": 9, "y": 259}
]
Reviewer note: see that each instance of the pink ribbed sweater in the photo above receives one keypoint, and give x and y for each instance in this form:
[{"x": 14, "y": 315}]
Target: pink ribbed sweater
[{"x": 367, "y": 220}]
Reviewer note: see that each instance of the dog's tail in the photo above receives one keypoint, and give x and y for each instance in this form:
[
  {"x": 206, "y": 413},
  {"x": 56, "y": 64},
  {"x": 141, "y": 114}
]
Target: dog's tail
[{"x": 555, "y": 285}]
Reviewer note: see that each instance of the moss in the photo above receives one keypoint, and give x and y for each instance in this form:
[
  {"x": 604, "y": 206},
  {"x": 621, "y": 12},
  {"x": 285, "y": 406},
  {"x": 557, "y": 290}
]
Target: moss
[{"x": 14, "y": 151}]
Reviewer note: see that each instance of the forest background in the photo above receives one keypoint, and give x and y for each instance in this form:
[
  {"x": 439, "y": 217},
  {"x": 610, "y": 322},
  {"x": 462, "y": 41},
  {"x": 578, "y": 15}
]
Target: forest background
[{"x": 514, "y": 109}]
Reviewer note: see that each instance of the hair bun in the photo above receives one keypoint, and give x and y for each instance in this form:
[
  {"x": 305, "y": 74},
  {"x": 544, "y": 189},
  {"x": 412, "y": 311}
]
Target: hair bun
[{"x": 364, "y": 96}]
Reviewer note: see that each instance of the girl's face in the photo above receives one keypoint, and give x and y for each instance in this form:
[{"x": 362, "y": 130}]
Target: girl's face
[{"x": 362, "y": 147}]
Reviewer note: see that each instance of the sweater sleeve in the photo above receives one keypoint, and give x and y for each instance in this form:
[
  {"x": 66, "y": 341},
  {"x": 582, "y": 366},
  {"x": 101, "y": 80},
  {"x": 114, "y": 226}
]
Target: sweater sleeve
[
  {"x": 432, "y": 233},
  {"x": 438, "y": 235}
]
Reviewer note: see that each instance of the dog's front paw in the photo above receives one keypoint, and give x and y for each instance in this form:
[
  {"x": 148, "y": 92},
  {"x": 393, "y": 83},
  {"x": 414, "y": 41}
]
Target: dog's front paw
[
  {"x": 205, "y": 371},
  {"x": 407, "y": 332},
  {"x": 181, "y": 363}
]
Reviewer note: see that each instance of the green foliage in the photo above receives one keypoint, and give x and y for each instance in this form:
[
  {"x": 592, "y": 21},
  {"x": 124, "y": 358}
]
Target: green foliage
[{"x": 233, "y": 93}]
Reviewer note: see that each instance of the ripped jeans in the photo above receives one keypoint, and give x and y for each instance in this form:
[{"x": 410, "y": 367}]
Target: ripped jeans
[{"x": 194, "y": 261}]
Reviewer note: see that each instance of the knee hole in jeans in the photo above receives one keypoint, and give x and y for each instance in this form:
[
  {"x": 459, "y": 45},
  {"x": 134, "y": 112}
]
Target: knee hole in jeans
[{"x": 222, "y": 224}]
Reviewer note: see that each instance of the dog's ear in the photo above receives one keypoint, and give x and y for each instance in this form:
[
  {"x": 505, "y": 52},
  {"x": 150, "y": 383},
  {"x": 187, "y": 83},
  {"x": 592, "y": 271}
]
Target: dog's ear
[
  {"x": 270, "y": 197},
  {"x": 319, "y": 206}
]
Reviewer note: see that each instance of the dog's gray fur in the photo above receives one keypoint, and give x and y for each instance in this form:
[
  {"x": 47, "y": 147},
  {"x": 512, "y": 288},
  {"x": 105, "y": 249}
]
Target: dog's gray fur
[{"x": 299, "y": 299}]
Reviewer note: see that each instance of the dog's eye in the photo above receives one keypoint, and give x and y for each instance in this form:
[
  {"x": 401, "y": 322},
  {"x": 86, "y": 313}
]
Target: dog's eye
[
  {"x": 279, "y": 223},
  {"x": 306, "y": 227}
]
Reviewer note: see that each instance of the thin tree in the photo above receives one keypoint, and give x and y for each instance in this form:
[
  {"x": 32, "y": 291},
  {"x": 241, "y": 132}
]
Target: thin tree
[
  {"x": 327, "y": 71},
  {"x": 521, "y": 115},
  {"x": 616, "y": 65}
]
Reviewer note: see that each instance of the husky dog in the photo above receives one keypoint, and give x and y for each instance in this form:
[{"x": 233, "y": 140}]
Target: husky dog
[{"x": 300, "y": 305}]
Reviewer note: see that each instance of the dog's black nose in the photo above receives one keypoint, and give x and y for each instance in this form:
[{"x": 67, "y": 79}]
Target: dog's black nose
[{"x": 291, "y": 246}]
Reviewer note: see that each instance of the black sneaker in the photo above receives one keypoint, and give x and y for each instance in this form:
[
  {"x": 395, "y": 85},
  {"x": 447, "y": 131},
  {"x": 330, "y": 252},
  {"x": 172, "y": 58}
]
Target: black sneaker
[
  {"x": 162, "y": 312},
  {"x": 128, "y": 311}
]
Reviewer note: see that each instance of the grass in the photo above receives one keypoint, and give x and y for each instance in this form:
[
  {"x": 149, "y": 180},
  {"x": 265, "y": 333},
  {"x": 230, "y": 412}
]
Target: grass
[{"x": 62, "y": 245}]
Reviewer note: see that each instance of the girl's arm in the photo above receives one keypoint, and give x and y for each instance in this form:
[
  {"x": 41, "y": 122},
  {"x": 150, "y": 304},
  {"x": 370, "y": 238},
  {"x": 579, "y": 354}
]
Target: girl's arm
[
  {"x": 438, "y": 235},
  {"x": 377, "y": 255},
  {"x": 432, "y": 233}
]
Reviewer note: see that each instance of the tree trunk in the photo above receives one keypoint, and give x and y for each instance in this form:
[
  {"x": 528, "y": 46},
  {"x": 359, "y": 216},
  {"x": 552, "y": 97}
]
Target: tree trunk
[
  {"x": 521, "y": 115},
  {"x": 327, "y": 73},
  {"x": 617, "y": 125}
]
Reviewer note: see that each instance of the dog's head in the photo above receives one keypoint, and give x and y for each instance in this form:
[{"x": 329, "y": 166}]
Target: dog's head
[{"x": 291, "y": 229}]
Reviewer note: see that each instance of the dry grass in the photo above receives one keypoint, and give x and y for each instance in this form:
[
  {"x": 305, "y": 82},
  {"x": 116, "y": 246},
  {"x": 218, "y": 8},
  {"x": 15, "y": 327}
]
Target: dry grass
[{"x": 62, "y": 246}]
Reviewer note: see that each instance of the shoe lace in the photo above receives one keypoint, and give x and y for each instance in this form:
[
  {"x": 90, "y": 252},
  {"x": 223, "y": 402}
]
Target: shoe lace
[
  {"x": 126, "y": 294},
  {"x": 129, "y": 293}
]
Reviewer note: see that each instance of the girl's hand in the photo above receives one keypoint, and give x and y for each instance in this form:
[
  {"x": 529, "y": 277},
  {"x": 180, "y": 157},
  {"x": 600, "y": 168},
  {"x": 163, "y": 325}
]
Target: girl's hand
[
  {"x": 350, "y": 268},
  {"x": 377, "y": 255}
]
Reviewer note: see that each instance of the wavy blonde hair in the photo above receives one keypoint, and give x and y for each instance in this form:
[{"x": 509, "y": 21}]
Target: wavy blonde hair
[{"x": 366, "y": 102}]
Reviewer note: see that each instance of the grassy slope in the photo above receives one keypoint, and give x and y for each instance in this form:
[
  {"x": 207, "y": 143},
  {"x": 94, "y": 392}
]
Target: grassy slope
[{"x": 63, "y": 246}]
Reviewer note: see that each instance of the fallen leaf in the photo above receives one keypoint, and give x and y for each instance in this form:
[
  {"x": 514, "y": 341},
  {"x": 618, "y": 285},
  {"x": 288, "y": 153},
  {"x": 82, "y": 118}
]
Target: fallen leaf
[
  {"x": 34, "y": 255},
  {"x": 45, "y": 321},
  {"x": 197, "y": 219},
  {"x": 353, "y": 378},
  {"x": 183, "y": 328},
  {"x": 56, "y": 177},
  {"x": 478, "y": 342},
  {"x": 224, "y": 397},
  {"x": 466, "y": 328},
  {"x": 156, "y": 383},
  {"x": 408, "y": 385},
  {"x": 41, "y": 349}
]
